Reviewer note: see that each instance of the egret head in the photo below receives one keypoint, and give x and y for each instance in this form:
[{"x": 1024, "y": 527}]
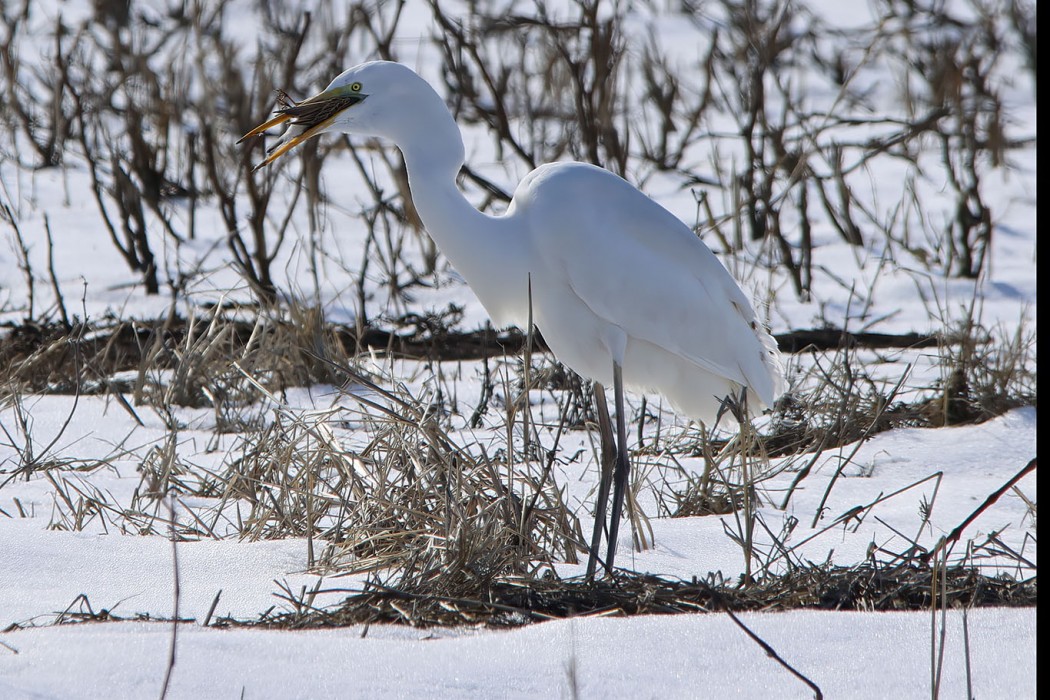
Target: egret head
[{"x": 372, "y": 99}]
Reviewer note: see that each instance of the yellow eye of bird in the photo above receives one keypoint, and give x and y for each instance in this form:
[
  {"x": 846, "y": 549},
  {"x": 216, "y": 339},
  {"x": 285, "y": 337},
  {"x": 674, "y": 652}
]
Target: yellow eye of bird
[{"x": 356, "y": 87}]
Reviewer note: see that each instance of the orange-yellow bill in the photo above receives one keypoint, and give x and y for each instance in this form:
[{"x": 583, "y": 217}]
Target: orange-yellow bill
[
  {"x": 294, "y": 141},
  {"x": 279, "y": 119}
]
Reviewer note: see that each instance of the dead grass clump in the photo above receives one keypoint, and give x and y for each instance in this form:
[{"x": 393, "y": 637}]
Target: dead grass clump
[
  {"x": 840, "y": 403},
  {"x": 294, "y": 476},
  {"x": 406, "y": 499},
  {"x": 985, "y": 372},
  {"x": 220, "y": 361},
  {"x": 55, "y": 358},
  {"x": 727, "y": 484},
  {"x": 210, "y": 358},
  {"x": 988, "y": 372}
]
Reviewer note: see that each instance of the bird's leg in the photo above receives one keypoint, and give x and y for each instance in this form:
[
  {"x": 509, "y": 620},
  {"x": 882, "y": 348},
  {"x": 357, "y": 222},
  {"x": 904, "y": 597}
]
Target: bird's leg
[
  {"x": 608, "y": 456},
  {"x": 623, "y": 466}
]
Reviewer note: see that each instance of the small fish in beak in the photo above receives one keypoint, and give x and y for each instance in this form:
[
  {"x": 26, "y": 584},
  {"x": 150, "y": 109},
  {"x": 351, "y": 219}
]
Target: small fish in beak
[{"x": 312, "y": 116}]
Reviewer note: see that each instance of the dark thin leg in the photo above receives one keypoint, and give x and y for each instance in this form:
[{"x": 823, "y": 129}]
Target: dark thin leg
[
  {"x": 623, "y": 467},
  {"x": 608, "y": 455}
]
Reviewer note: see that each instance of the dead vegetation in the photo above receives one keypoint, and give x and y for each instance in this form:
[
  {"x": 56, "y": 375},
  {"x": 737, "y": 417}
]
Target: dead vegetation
[
  {"x": 409, "y": 499},
  {"x": 382, "y": 483},
  {"x": 221, "y": 358},
  {"x": 515, "y": 602},
  {"x": 506, "y": 603}
]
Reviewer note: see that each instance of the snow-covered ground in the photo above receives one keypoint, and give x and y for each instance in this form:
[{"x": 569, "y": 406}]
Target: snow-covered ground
[{"x": 848, "y": 654}]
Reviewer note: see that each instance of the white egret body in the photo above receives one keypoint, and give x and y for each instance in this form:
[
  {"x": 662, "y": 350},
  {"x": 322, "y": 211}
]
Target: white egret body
[{"x": 622, "y": 291}]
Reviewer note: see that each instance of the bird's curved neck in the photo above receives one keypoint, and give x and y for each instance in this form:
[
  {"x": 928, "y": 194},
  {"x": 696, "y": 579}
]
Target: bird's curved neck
[
  {"x": 482, "y": 248},
  {"x": 445, "y": 212}
]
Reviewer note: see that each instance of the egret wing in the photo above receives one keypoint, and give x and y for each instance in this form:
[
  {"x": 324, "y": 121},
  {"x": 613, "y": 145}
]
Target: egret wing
[{"x": 635, "y": 265}]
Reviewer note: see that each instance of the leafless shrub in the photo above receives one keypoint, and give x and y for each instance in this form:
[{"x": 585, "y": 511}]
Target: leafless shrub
[
  {"x": 21, "y": 250},
  {"x": 958, "y": 60},
  {"x": 37, "y": 101},
  {"x": 547, "y": 89}
]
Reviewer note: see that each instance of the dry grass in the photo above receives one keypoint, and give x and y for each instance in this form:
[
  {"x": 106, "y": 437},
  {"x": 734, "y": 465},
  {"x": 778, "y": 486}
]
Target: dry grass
[{"x": 409, "y": 499}]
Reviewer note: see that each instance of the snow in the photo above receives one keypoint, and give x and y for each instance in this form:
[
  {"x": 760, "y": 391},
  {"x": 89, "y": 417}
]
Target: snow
[{"x": 848, "y": 654}]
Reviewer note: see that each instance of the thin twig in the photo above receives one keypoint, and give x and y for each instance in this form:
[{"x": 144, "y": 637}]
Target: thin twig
[
  {"x": 955, "y": 534},
  {"x": 771, "y": 652},
  {"x": 175, "y": 604}
]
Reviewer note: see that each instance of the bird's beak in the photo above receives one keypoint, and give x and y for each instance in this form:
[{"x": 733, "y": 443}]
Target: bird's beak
[{"x": 314, "y": 115}]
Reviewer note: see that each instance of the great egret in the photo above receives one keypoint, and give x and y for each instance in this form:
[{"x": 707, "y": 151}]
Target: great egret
[{"x": 620, "y": 288}]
